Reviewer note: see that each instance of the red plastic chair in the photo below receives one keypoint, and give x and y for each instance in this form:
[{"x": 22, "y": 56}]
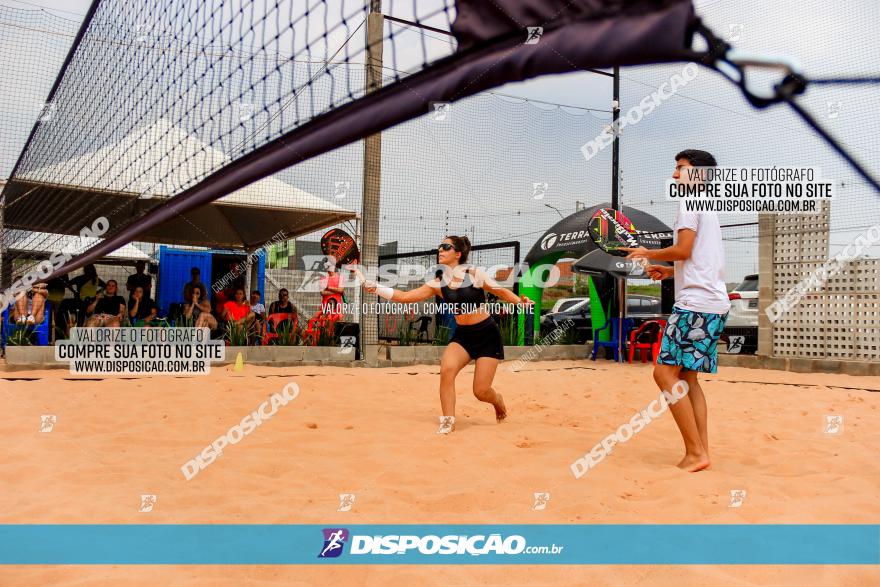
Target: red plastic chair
[
  {"x": 318, "y": 323},
  {"x": 655, "y": 349},
  {"x": 275, "y": 319},
  {"x": 646, "y": 338}
]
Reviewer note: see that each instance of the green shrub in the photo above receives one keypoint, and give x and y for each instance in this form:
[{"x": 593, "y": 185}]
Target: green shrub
[
  {"x": 20, "y": 336},
  {"x": 238, "y": 333},
  {"x": 442, "y": 335},
  {"x": 509, "y": 330},
  {"x": 404, "y": 333}
]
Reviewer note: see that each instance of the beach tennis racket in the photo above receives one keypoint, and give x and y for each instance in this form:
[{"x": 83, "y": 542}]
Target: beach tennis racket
[
  {"x": 611, "y": 230},
  {"x": 341, "y": 246}
]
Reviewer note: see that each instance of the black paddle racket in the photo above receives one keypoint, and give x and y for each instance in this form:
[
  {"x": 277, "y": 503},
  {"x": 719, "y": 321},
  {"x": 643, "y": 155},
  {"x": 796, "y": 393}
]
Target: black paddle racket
[
  {"x": 341, "y": 246},
  {"x": 611, "y": 231}
]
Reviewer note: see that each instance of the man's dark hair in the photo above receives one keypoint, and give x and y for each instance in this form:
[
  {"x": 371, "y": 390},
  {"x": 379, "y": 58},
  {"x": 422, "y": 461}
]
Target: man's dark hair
[
  {"x": 697, "y": 158},
  {"x": 109, "y": 281},
  {"x": 195, "y": 270},
  {"x": 284, "y": 290},
  {"x": 256, "y": 291}
]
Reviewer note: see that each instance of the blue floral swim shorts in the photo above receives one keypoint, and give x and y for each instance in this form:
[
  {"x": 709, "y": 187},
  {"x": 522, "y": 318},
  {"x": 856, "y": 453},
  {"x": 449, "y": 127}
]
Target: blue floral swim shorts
[{"x": 691, "y": 340}]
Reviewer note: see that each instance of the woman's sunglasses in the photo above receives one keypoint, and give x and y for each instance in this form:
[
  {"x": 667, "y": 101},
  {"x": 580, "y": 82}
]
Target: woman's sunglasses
[{"x": 445, "y": 247}]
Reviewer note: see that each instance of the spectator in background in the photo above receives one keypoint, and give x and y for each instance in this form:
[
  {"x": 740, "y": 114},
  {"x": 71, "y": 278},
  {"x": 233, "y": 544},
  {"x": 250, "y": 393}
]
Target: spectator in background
[
  {"x": 56, "y": 289},
  {"x": 108, "y": 307},
  {"x": 283, "y": 305},
  {"x": 87, "y": 285},
  {"x": 195, "y": 281},
  {"x": 139, "y": 278},
  {"x": 221, "y": 297},
  {"x": 238, "y": 309},
  {"x": 199, "y": 309},
  {"x": 331, "y": 290},
  {"x": 60, "y": 306},
  {"x": 141, "y": 308},
  {"x": 30, "y": 306},
  {"x": 257, "y": 306}
]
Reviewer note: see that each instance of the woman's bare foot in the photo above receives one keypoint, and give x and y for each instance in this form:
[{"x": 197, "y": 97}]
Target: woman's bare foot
[
  {"x": 500, "y": 409},
  {"x": 694, "y": 463},
  {"x": 447, "y": 425}
]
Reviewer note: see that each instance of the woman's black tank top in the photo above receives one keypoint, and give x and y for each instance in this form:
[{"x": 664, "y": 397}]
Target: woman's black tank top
[{"x": 466, "y": 293}]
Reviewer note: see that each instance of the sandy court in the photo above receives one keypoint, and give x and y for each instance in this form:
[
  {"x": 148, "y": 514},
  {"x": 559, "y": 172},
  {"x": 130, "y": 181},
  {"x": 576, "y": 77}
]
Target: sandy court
[{"x": 372, "y": 433}]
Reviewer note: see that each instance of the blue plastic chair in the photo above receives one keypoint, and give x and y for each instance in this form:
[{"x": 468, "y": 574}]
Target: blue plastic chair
[
  {"x": 612, "y": 323},
  {"x": 41, "y": 330}
]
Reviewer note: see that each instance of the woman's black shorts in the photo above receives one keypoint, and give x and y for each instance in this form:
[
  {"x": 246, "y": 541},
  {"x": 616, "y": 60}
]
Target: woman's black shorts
[{"x": 482, "y": 339}]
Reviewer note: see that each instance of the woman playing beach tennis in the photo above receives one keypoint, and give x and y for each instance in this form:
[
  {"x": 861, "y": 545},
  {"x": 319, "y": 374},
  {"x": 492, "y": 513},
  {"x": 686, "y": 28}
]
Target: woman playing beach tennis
[{"x": 477, "y": 336}]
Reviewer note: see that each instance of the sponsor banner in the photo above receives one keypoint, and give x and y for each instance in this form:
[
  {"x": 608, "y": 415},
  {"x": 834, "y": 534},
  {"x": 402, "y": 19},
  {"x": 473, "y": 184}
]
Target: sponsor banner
[{"x": 440, "y": 544}]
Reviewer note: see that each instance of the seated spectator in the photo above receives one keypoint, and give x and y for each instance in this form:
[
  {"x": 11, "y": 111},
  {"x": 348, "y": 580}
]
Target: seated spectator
[
  {"x": 139, "y": 278},
  {"x": 199, "y": 308},
  {"x": 195, "y": 281},
  {"x": 30, "y": 306},
  {"x": 331, "y": 290},
  {"x": 257, "y": 306},
  {"x": 66, "y": 309},
  {"x": 283, "y": 305},
  {"x": 108, "y": 307},
  {"x": 220, "y": 299},
  {"x": 87, "y": 285},
  {"x": 56, "y": 288},
  {"x": 141, "y": 308},
  {"x": 238, "y": 310}
]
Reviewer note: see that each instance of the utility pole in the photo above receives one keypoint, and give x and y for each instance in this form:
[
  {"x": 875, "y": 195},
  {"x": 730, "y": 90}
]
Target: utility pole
[
  {"x": 615, "y": 147},
  {"x": 369, "y": 324},
  {"x": 620, "y": 283}
]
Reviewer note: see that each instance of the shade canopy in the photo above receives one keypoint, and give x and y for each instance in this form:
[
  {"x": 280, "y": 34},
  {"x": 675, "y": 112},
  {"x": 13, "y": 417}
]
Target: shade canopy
[
  {"x": 41, "y": 245},
  {"x": 115, "y": 181},
  {"x": 570, "y": 235}
]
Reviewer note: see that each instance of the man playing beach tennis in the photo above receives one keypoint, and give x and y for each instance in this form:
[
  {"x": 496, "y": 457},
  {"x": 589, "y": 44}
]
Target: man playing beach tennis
[{"x": 697, "y": 319}]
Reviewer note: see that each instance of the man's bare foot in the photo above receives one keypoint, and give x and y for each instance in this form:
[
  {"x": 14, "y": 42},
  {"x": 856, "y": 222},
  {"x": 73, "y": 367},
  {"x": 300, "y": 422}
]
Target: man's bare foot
[
  {"x": 694, "y": 463},
  {"x": 500, "y": 409}
]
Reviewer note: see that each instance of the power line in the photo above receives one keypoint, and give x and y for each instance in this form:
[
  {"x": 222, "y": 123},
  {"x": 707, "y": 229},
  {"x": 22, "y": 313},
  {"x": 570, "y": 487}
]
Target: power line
[{"x": 45, "y": 8}]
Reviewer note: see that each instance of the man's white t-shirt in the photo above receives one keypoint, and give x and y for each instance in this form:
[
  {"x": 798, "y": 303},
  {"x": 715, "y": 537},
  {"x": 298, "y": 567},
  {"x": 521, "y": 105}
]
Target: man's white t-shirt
[{"x": 699, "y": 281}]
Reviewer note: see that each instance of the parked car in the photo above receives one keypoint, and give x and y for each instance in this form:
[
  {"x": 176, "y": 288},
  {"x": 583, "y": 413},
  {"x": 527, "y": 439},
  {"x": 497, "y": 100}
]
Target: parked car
[
  {"x": 638, "y": 307},
  {"x": 577, "y": 309},
  {"x": 742, "y": 320},
  {"x": 563, "y": 304}
]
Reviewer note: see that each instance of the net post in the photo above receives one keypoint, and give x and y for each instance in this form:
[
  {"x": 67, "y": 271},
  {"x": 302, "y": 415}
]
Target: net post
[{"x": 369, "y": 325}]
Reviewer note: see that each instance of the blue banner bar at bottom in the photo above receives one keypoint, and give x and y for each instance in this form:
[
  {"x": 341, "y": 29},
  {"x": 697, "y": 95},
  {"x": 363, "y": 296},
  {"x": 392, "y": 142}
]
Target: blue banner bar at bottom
[{"x": 440, "y": 544}]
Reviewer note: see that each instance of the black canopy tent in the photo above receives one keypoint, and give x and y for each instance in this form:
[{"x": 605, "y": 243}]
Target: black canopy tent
[{"x": 569, "y": 237}]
